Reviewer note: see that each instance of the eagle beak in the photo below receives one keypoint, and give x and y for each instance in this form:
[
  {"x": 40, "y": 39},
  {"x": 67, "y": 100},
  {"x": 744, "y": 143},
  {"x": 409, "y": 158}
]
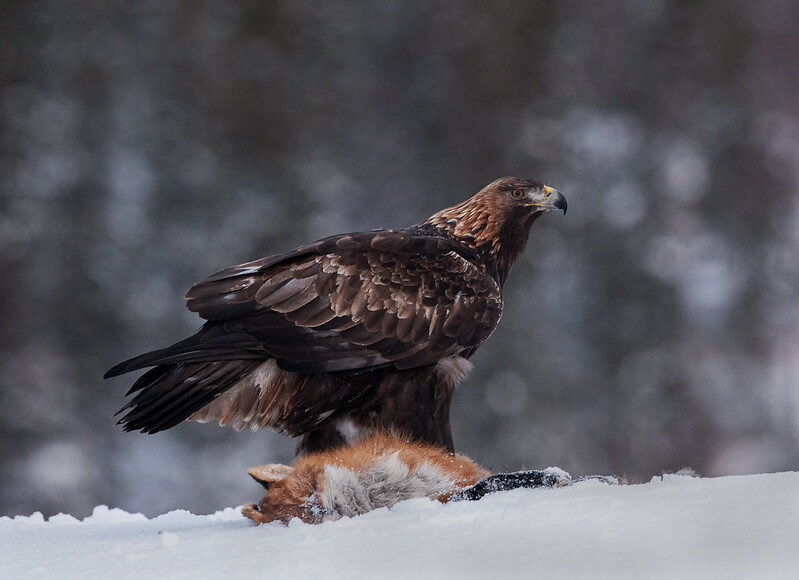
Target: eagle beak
[
  {"x": 557, "y": 200},
  {"x": 553, "y": 199}
]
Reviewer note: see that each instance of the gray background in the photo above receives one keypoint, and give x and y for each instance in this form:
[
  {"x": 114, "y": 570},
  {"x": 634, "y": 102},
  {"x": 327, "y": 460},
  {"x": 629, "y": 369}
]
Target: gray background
[{"x": 148, "y": 144}]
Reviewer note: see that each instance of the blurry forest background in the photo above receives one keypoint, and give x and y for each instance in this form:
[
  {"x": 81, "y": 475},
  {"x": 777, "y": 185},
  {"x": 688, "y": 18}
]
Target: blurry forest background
[{"x": 148, "y": 144}]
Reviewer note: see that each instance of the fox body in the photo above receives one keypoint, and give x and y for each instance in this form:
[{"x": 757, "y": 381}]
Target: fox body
[{"x": 377, "y": 472}]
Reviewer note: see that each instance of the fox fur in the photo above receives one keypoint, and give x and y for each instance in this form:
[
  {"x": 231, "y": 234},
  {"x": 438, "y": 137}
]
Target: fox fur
[{"x": 377, "y": 472}]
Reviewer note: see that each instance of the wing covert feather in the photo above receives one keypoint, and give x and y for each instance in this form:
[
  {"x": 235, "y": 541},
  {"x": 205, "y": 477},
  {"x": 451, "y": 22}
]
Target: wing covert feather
[{"x": 357, "y": 301}]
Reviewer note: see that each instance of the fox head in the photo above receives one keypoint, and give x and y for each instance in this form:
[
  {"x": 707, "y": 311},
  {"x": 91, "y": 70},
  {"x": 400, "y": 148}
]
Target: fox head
[{"x": 288, "y": 494}]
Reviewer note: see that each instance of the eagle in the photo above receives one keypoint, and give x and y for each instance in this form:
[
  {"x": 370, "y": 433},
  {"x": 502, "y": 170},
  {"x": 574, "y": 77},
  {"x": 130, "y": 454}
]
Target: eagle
[{"x": 353, "y": 334}]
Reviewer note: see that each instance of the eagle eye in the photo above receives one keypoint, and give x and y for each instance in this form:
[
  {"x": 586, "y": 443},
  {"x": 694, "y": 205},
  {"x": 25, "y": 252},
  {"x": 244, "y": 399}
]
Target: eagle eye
[{"x": 518, "y": 193}]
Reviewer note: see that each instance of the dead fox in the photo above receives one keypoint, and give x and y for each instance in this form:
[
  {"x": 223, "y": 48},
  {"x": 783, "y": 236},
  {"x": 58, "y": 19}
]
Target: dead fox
[{"x": 378, "y": 472}]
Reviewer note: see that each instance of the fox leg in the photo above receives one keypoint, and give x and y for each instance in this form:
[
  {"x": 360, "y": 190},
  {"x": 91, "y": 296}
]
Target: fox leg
[
  {"x": 251, "y": 511},
  {"x": 515, "y": 480}
]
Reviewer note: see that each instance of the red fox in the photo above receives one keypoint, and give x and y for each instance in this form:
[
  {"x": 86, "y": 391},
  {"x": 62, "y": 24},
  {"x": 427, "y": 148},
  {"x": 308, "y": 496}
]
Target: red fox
[{"x": 378, "y": 472}]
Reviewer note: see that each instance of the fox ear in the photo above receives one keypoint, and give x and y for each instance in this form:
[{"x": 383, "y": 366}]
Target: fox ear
[{"x": 269, "y": 474}]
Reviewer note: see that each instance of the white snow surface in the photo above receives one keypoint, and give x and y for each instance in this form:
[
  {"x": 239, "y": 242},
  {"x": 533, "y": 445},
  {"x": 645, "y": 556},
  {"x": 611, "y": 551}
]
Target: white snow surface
[{"x": 672, "y": 527}]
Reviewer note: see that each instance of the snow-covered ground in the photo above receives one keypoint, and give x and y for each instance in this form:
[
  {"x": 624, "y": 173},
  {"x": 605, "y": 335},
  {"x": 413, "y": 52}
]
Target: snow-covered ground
[{"x": 672, "y": 527}]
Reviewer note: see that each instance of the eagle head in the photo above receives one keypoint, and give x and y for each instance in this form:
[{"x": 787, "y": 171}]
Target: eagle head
[
  {"x": 511, "y": 195},
  {"x": 496, "y": 221}
]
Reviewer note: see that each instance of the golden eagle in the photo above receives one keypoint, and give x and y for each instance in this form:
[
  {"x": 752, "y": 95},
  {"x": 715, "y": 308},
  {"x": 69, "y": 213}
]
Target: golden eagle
[{"x": 351, "y": 334}]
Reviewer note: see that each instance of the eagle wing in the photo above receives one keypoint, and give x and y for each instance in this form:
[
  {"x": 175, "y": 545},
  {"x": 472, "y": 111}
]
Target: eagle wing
[{"x": 353, "y": 301}]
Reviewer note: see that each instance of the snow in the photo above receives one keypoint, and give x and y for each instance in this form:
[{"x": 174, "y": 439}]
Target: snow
[{"x": 672, "y": 527}]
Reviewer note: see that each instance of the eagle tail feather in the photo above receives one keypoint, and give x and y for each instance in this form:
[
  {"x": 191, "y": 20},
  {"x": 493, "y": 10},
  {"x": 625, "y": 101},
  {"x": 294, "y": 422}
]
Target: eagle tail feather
[
  {"x": 169, "y": 394},
  {"x": 211, "y": 343}
]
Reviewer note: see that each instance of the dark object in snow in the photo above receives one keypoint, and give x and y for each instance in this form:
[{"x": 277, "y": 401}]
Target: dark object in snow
[
  {"x": 515, "y": 480},
  {"x": 378, "y": 472},
  {"x": 351, "y": 334}
]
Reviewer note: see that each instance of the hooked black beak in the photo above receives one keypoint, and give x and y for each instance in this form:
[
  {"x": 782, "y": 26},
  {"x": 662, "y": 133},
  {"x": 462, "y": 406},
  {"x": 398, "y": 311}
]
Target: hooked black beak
[
  {"x": 560, "y": 202},
  {"x": 553, "y": 199}
]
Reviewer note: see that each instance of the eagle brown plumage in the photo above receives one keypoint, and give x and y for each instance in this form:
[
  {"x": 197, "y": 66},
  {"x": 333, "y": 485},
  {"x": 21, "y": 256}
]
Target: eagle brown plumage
[{"x": 350, "y": 334}]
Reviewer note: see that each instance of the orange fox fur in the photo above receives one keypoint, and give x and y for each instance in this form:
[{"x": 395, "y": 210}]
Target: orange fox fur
[{"x": 377, "y": 472}]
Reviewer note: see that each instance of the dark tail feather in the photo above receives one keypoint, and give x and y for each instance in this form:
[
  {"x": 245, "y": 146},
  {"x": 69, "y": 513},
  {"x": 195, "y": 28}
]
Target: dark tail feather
[
  {"x": 139, "y": 362},
  {"x": 213, "y": 342},
  {"x": 169, "y": 394}
]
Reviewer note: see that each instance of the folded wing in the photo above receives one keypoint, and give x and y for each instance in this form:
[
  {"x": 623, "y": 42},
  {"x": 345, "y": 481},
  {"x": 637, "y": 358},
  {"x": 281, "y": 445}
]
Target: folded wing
[{"x": 354, "y": 301}]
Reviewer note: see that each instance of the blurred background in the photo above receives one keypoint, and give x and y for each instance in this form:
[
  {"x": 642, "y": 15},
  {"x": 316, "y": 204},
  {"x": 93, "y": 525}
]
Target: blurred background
[{"x": 148, "y": 144}]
